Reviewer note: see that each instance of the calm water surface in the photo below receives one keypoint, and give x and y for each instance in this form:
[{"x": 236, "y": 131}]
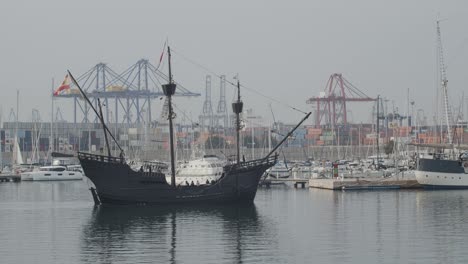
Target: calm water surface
[{"x": 56, "y": 222}]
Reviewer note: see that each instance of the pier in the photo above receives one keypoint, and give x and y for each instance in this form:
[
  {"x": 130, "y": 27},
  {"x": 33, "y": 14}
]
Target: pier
[
  {"x": 296, "y": 182},
  {"x": 10, "y": 178},
  {"x": 364, "y": 183}
]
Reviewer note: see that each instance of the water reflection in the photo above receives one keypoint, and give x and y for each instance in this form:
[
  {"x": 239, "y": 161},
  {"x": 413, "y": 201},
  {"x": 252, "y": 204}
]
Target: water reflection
[{"x": 180, "y": 234}]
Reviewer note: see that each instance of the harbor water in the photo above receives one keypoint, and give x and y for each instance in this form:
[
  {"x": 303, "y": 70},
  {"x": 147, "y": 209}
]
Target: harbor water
[{"x": 56, "y": 222}]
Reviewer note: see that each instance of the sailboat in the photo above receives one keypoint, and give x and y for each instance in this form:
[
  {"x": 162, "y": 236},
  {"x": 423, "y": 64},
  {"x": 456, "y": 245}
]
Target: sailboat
[
  {"x": 18, "y": 163},
  {"x": 117, "y": 183},
  {"x": 17, "y": 156},
  {"x": 445, "y": 169}
]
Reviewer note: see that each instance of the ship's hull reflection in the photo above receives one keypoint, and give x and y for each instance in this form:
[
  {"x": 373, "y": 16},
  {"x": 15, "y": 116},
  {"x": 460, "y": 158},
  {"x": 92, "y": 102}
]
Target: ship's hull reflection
[{"x": 167, "y": 234}]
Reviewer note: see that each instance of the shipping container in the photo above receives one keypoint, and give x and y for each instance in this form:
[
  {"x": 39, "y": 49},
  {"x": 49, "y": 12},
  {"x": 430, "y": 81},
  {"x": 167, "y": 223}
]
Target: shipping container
[{"x": 314, "y": 131}]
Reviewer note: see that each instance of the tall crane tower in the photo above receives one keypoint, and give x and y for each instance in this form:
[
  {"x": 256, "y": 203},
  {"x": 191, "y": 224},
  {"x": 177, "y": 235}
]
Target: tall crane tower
[
  {"x": 132, "y": 92},
  {"x": 222, "y": 109},
  {"x": 331, "y": 105},
  {"x": 444, "y": 81},
  {"x": 206, "y": 119}
]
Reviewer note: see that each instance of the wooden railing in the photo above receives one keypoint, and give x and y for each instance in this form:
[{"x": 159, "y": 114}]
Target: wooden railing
[
  {"x": 271, "y": 160},
  {"x": 155, "y": 165},
  {"x": 102, "y": 158}
]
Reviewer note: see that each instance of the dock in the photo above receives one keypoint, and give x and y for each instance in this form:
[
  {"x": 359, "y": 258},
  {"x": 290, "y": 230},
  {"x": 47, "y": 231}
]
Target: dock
[
  {"x": 297, "y": 182},
  {"x": 10, "y": 178},
  {"x": 364, "y": 183}
]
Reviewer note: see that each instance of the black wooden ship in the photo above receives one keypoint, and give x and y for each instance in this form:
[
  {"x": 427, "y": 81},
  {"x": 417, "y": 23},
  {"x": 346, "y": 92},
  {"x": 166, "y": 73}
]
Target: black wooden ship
[{"x": 117, "y": 183}]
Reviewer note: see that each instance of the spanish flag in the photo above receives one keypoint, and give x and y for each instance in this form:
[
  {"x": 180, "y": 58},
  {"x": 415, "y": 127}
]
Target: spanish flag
[
  {"x": 64, "y": 86},
  {"x": 162, "y": 55}
]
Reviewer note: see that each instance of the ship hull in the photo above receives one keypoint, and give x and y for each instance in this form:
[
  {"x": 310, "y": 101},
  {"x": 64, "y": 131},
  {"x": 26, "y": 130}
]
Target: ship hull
[
  {"x": 117, "y": 183},
  {"x": 441, "y": 174}
]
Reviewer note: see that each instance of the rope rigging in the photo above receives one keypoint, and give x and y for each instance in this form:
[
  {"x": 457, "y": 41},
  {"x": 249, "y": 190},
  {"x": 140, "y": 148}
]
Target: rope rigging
[{"x": 233, "y": 84}]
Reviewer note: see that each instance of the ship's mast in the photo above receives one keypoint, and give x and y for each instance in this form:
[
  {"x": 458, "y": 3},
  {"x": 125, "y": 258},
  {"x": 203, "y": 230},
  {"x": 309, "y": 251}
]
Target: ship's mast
[
  {"x": 237, "y": 108},
  {"x": 169, "y": 90},
  {"x": 444, "y": 81}
]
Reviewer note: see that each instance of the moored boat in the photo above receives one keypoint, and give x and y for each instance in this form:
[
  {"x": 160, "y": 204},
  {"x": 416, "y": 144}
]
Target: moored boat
[
  {"x": 64, "y": 167},
  {"x": 443, "y": 170},
  {"x": 53, "y": 173},
  {"x": 443, "y": 173}
]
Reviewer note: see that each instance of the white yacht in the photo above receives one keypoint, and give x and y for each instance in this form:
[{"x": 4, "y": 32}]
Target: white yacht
[
  {"x": 60, "y": 170},
  {"x": 439, "y": 172},
  {"x": 200, "y": 171}
]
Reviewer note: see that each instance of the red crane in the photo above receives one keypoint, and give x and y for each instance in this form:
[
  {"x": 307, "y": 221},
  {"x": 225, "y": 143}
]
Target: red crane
[{"x": 331, "y": 104}]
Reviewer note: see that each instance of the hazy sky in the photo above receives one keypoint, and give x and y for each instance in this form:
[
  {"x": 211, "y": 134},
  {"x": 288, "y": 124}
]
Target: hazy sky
[{"x": 286, "y": 49}]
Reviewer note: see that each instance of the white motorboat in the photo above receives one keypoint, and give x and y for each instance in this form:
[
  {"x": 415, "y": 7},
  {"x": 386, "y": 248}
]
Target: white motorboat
[
  {"x": 200, "y": 171},
  {"x": 61, "y": 169},
  {"x": 53, "y": 173}
]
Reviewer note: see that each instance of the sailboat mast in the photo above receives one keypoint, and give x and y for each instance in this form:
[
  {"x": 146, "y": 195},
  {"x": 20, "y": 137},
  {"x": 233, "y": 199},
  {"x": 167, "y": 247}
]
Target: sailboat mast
[
  {"x": 444, "y": 81},
  {"x": 378, "y": 130},
  {"x": 1, "y": 148},
  {"x": 237, "y": 108},
  {"x": 104, "y": 128},
  {"x": 169, "y": 90},
  {"x": 17, "y": 113},
  {"x": 16, "y": 154},
  {"x": 51, "y": 142}
]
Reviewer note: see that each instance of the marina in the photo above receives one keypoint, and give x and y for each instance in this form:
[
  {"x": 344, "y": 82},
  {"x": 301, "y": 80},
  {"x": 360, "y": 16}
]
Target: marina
[{"x": 220, "y": 132}]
